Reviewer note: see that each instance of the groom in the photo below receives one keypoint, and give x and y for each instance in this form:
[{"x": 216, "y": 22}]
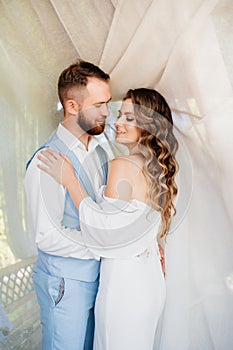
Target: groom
[{"x": 66, "y": 275}]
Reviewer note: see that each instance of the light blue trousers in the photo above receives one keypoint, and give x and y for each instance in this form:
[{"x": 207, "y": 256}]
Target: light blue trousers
[{"x": 66, "y": 311}]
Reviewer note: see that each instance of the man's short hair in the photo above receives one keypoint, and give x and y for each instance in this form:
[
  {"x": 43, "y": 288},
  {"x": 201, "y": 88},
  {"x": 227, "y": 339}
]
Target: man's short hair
[{"x": 76, "y": 75}]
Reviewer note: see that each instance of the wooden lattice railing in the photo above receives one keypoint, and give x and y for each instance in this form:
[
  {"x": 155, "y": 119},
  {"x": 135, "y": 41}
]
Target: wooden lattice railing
[
  {"x": 16, "y": 281},
  {"x": 19, "y": 303}
]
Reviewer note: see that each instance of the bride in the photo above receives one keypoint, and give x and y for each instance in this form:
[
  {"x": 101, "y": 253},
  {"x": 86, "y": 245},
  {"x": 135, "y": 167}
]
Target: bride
[{"x": 131, "y": 294}]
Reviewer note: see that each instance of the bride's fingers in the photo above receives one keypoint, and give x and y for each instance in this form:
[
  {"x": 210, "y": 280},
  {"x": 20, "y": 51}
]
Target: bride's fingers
[
  {"x": 53, "y": 156},
  {"x": 66, "y": 158},
  {"x": 45, "y": 159},
  {"x": 49, "y": 153},
  {"x": 44, "y": 168},
  {"x": 46, "y": 156}
]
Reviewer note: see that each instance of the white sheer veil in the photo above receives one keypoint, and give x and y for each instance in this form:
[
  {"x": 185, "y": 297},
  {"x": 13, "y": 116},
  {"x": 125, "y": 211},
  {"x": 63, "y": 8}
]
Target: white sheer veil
[{"x": 199, "y": 260}]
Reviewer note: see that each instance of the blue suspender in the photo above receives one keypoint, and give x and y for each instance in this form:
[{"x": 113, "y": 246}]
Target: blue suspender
[
  {"x": 103, "y": 161},
  {"x": 82, "y": 176}
]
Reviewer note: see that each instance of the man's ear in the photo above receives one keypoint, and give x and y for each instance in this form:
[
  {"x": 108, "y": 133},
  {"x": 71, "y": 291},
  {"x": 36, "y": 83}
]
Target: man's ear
[{"x": 72, "y": 107}]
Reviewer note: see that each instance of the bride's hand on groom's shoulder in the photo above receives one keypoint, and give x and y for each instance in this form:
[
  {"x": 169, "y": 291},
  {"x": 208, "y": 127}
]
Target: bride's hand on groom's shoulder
[{"x": 57, "y": 165}]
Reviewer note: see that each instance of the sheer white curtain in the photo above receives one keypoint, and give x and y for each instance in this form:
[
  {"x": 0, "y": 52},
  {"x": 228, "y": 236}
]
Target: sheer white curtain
[
  {"x": 38, "y": 39},
  {"x": 183, "y": 49}
]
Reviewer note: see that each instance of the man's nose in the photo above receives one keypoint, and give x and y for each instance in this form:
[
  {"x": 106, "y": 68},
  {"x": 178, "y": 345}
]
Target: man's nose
[{"x": 105, "y": 110}]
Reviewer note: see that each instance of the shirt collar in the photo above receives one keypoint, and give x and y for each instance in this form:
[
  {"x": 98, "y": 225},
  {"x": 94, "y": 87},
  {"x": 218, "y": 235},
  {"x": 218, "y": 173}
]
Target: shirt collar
[{"x": 73, "y": 142}]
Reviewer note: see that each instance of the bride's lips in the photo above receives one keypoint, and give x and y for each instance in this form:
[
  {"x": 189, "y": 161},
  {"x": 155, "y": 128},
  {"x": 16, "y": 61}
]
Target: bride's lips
[{"x": 120, "y": 132}]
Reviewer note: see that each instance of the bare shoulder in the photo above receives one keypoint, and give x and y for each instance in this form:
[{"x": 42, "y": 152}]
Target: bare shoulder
[
  {"x": 124, "y": 176},
  {"x": 119, "y": 182},
  {"x": 119, "y": 167},
  {"x": 126, "y": 163}
]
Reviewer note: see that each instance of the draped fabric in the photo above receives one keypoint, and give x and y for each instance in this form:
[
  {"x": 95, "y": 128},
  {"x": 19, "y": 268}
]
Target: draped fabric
[{"x": 181, "y": 48}]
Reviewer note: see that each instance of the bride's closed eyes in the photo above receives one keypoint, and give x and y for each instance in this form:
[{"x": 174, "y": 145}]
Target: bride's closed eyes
[{"x": 128, "y": 117}]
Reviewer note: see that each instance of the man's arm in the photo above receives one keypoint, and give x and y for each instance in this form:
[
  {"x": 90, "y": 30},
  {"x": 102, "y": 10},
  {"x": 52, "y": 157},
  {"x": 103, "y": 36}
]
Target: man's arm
[{"x": 46, "y": 199}]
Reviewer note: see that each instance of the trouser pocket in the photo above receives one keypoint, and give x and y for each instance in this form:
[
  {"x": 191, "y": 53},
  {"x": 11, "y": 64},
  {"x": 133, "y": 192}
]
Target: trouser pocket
[
  {"x": 50, "y": 290},
  {"x": 60, "y": 292}
]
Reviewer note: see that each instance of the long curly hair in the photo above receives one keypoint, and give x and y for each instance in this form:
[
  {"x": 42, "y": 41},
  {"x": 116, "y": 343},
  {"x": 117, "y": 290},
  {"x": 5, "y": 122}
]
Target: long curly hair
[{"x": 158, "y": 145}]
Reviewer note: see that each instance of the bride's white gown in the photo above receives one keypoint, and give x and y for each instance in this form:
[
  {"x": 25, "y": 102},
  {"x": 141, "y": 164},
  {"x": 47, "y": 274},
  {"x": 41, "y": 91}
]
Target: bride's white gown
[
  {"x": 132, "y": 291},
  {"x": 129, "y": 301}
]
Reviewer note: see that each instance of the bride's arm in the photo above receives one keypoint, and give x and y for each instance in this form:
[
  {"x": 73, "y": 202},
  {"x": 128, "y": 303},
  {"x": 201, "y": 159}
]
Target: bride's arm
[{"x": 61, "y": 169}]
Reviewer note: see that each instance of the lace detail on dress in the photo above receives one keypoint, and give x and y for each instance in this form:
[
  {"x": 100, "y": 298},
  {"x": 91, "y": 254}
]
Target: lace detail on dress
[
  {"x": 144, "y": 254},
  {"x": 153, "y": 249}
]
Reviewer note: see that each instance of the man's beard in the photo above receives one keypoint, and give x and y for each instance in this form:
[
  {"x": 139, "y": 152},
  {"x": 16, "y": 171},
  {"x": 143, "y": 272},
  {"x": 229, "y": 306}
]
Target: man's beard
[{"x": 88, "y": 127}]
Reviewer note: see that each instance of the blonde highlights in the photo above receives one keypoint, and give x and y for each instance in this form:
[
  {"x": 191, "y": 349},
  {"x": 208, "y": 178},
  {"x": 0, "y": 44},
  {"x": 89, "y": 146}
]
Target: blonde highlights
[{"x": 158, "y": 145}]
